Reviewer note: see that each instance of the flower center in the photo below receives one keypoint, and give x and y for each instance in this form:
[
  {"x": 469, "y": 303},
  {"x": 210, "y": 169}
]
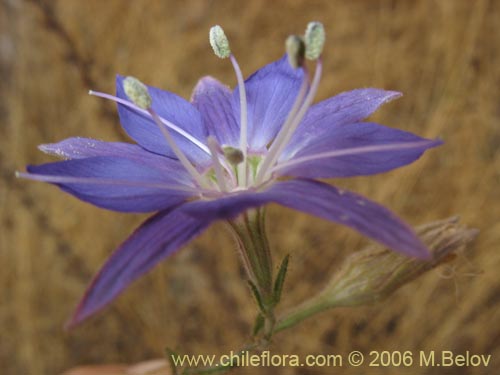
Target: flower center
[
  {"x": 224, "y": 172},
  {"x": 234, "y": 169},
  {"x": 254, "y": 171}
]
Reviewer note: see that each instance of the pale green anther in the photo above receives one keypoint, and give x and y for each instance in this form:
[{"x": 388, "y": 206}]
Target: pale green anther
[
  {"x": 219, "y": 42},
  {"x": 315, "y": 40},
  {"x": 295, "y": 49},
  {"x": 137, "y": 92},
  {"x": 233, "y": 155}
]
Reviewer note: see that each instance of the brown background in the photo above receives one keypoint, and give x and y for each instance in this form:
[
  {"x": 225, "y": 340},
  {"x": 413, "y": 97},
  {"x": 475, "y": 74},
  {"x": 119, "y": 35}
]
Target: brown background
[{"x": 444, "y": 55}]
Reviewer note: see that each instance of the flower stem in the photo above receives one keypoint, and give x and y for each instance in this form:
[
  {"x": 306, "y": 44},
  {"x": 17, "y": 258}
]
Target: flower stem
[
  {"x": 249, "y": 230},
  {"x": 360, "y": 274},
  {"x": 305, "y": 310},
  {"x": 253, "y": 245}
]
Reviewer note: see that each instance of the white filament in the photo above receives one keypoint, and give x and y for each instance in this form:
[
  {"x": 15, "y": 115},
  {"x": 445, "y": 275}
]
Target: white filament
[
  {"x": 349, "y": 151},
  {"x": 176, "y": 150},
  {"x": 243, "y": 167},
  {"x": 289, "y": 128},
  {"x": 167, "y": 123},
  {"x": 219, "y": 173},
  {"x": 103, "y": 181}
]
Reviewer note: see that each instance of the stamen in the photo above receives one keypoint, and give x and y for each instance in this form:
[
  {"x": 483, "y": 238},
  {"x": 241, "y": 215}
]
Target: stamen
[
  {"x": 218, "y": 41},
  {"x": 220, "y": 44},
  {"x": 167, "y": 123},
  {"x": 295, "y": 49},
  {"x": 289, "y": 127},
  {"x": 104, "y": 181},
  {"x": 176, "y": 150},
  {"x": 242, "y": 168},
  {"x": 219, "y": 173},
  {"x": 349, "y": 151},
  {"x": 314, "y": 39},
  {"x": 138, "y": 91},
  {"x": 271, "y": 156}
]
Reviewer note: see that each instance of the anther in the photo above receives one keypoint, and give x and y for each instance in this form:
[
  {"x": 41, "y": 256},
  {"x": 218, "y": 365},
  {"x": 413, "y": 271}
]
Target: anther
[
  {"x": 220, "y": 45},
  {"x": 137, "y": 92},
  {"x": 314, "y": 39},
  {"x": 295, "y": 49},
  {"x": 219, "y": 42}
]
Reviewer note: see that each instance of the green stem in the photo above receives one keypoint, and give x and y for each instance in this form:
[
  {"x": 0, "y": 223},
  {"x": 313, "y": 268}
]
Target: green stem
[{"x": 305, "y": 310}]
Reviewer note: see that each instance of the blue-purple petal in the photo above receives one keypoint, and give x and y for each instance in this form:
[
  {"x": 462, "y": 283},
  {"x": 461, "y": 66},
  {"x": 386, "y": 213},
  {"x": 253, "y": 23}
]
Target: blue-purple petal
[
  {"x": 119, "y": 184},
  {"x": 227, "y": 207},
  {"x": 271, "y": 92},
  {"x": 350, "y": 209},
  {"x": 345, "y": 108},
  {"x": 213, "y": 100},
  {"x": 169, "y": 230},
  {"x": 357, "y": 150},
  {"x": 142, "y": 129},
  {"x": 322, "y": 200},
  {"x": 156, "y": 239}
]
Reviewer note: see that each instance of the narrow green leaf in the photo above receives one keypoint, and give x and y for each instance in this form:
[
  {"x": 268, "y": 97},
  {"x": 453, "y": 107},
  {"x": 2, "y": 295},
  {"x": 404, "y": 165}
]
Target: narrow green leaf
[
  {"x": 257, "y": 296},
  {"x": 280, "y": 279}
]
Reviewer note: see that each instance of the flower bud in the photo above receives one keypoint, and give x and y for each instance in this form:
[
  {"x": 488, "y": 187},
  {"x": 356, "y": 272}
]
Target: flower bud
[
  {"x": 314, "y": 39},
  {"x": 375, "y": 273},
  {"x": 137, "y": 92},
  {"x": 219, "y": 42}
]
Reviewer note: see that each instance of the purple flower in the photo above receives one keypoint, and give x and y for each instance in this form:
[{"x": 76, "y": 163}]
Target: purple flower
[{"x": 227, "y": 151}]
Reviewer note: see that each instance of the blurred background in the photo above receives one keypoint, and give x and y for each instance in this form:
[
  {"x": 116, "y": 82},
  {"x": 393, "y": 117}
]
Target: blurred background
[{"x": 443, "y": 55}]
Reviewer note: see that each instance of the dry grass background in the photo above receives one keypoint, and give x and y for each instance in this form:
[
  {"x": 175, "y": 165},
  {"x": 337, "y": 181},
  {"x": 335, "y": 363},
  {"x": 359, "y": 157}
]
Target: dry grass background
[{"x": 444, "y": 55}]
